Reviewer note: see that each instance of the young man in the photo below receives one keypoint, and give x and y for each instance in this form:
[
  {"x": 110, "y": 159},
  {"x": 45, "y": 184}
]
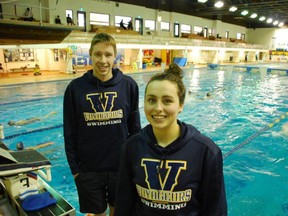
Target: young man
[{"x": 100, "y": 113}]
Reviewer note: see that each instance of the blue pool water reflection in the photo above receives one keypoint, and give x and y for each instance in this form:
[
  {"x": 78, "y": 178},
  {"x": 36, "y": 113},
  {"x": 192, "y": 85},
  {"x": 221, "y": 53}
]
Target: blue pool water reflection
[{"x": 240, "y": 106}]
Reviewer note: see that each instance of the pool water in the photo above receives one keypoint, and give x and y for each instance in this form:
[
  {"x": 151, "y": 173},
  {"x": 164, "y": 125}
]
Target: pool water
[{"x": 238, "y": 111}]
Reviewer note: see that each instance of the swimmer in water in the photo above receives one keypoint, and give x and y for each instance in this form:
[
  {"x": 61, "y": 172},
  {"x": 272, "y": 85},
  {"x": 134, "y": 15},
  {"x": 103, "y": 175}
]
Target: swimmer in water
[
  {"x": 197, "y": 97},
  {"x": 20, "y": 146},
  {"x": 30, "y": 120},
  {"x": 23, "y": 122}
]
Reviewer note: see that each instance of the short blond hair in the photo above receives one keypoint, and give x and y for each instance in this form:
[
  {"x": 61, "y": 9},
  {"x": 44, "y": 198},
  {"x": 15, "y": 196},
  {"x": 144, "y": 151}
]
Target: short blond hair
[{"x": 103, "y": 38}]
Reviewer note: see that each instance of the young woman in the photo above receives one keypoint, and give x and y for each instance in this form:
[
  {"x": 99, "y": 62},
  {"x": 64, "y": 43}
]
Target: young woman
[{"x": 170, "y": 168}]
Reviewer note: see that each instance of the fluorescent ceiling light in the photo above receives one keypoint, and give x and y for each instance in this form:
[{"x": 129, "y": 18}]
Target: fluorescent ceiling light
[
  {"x": 233, "y": 8},
  {"x": 219, "y": 4},
  {"x": 202, "y": 1},
  {"x": 281, "y": 24},
  {"x": 269, "y": 20},
  {"x": 275, "y": 22},
  {"x": 244, "y": 13},
  {"x": 254, "y": 15},
  {"x": 262, "y": 18}
]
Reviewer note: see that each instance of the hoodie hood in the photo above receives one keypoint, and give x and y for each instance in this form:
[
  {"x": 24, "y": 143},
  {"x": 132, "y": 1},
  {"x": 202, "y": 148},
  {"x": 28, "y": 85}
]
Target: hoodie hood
[
  {"x": 188, "y": 132},
  {"x": 117, "y": 76}
]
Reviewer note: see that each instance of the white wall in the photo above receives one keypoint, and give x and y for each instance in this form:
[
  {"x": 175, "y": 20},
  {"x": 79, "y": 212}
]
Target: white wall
[
  {"x": 222, "y": 27},
  {"x": 263, "y": 36}
]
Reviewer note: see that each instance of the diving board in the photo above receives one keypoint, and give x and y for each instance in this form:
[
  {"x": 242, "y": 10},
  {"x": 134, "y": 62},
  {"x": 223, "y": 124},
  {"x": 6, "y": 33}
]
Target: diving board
[
  {"x": 16, "y": 175},
  {"x": 16, "y": 162}
]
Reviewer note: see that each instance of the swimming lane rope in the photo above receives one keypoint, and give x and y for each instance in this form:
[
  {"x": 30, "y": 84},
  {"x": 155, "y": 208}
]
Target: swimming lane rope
[
  {"x": 255, "y": 135},
  {"x": 31, "y": 100},
  {"x": 33, "y": 131}
]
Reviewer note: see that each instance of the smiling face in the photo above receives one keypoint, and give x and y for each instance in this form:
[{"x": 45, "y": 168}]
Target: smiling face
[
  {"x": 162, "y": 105},
  {"x": 103, "y": 56}
]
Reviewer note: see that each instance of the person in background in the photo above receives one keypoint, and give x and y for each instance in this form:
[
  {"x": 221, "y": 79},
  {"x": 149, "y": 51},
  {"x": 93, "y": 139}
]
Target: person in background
[
  {"x": 20, "y": 146},
  {"x": 1, "y": 67},
  {"x": 37, "y": 70},
  {"x": 23, "y": 122},
  {"x": 169, "y": 168},
  {"x": 58, "y": 20},
  {"x": 100, "y": 113},
  {"x": 28, "y": 15},
  {"x": 69, "y": 20},
  {"x": 208, "y": 94},
  {"x": 30, "y": 120},
  {"x": 122, "y": 26},
  {"x": 130, "y": 25}
]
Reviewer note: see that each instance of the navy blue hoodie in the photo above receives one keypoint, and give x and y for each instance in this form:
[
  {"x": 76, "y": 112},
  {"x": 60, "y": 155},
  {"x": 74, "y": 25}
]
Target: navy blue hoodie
[
  {"x": 98, "y": 118},
  {"x": 183, "y": 179}
]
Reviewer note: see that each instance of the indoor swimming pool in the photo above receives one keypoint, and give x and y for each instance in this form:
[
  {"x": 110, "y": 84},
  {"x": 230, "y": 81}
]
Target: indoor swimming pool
[{"x": 244, "y": 114}]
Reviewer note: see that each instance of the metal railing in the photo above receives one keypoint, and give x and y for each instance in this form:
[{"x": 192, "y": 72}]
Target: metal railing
[{"x": 86, "y": 37}]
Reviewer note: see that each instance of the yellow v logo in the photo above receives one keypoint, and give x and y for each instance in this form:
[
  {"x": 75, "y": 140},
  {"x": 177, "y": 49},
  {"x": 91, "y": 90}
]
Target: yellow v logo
[
  {"x": 102, "y": 102},
  {"x": 169, "y": 180}
]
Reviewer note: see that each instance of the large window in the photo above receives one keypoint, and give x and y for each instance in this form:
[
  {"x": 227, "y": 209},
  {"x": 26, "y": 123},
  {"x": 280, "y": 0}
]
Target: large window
[
  {"x": 238, "y": 36},
  {"x": 99, "y": 19},
  {"x": 165, "y": 26},
  {"x": 185, "y": 28},
  {"x": 124, "y": 18},
  {"x": 210, "y": 32},
  {"x": 150, "y": 25},
  {"x": 197, "y": 29}
]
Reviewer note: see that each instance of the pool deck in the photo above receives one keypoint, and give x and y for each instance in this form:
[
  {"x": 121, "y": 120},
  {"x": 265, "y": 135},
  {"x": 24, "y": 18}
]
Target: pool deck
[{"x": 25, "y": 77}]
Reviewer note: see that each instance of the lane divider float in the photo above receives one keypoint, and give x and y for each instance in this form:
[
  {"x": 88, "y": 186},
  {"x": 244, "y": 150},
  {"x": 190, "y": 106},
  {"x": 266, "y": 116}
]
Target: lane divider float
[{"x": 255, "y": 135}]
